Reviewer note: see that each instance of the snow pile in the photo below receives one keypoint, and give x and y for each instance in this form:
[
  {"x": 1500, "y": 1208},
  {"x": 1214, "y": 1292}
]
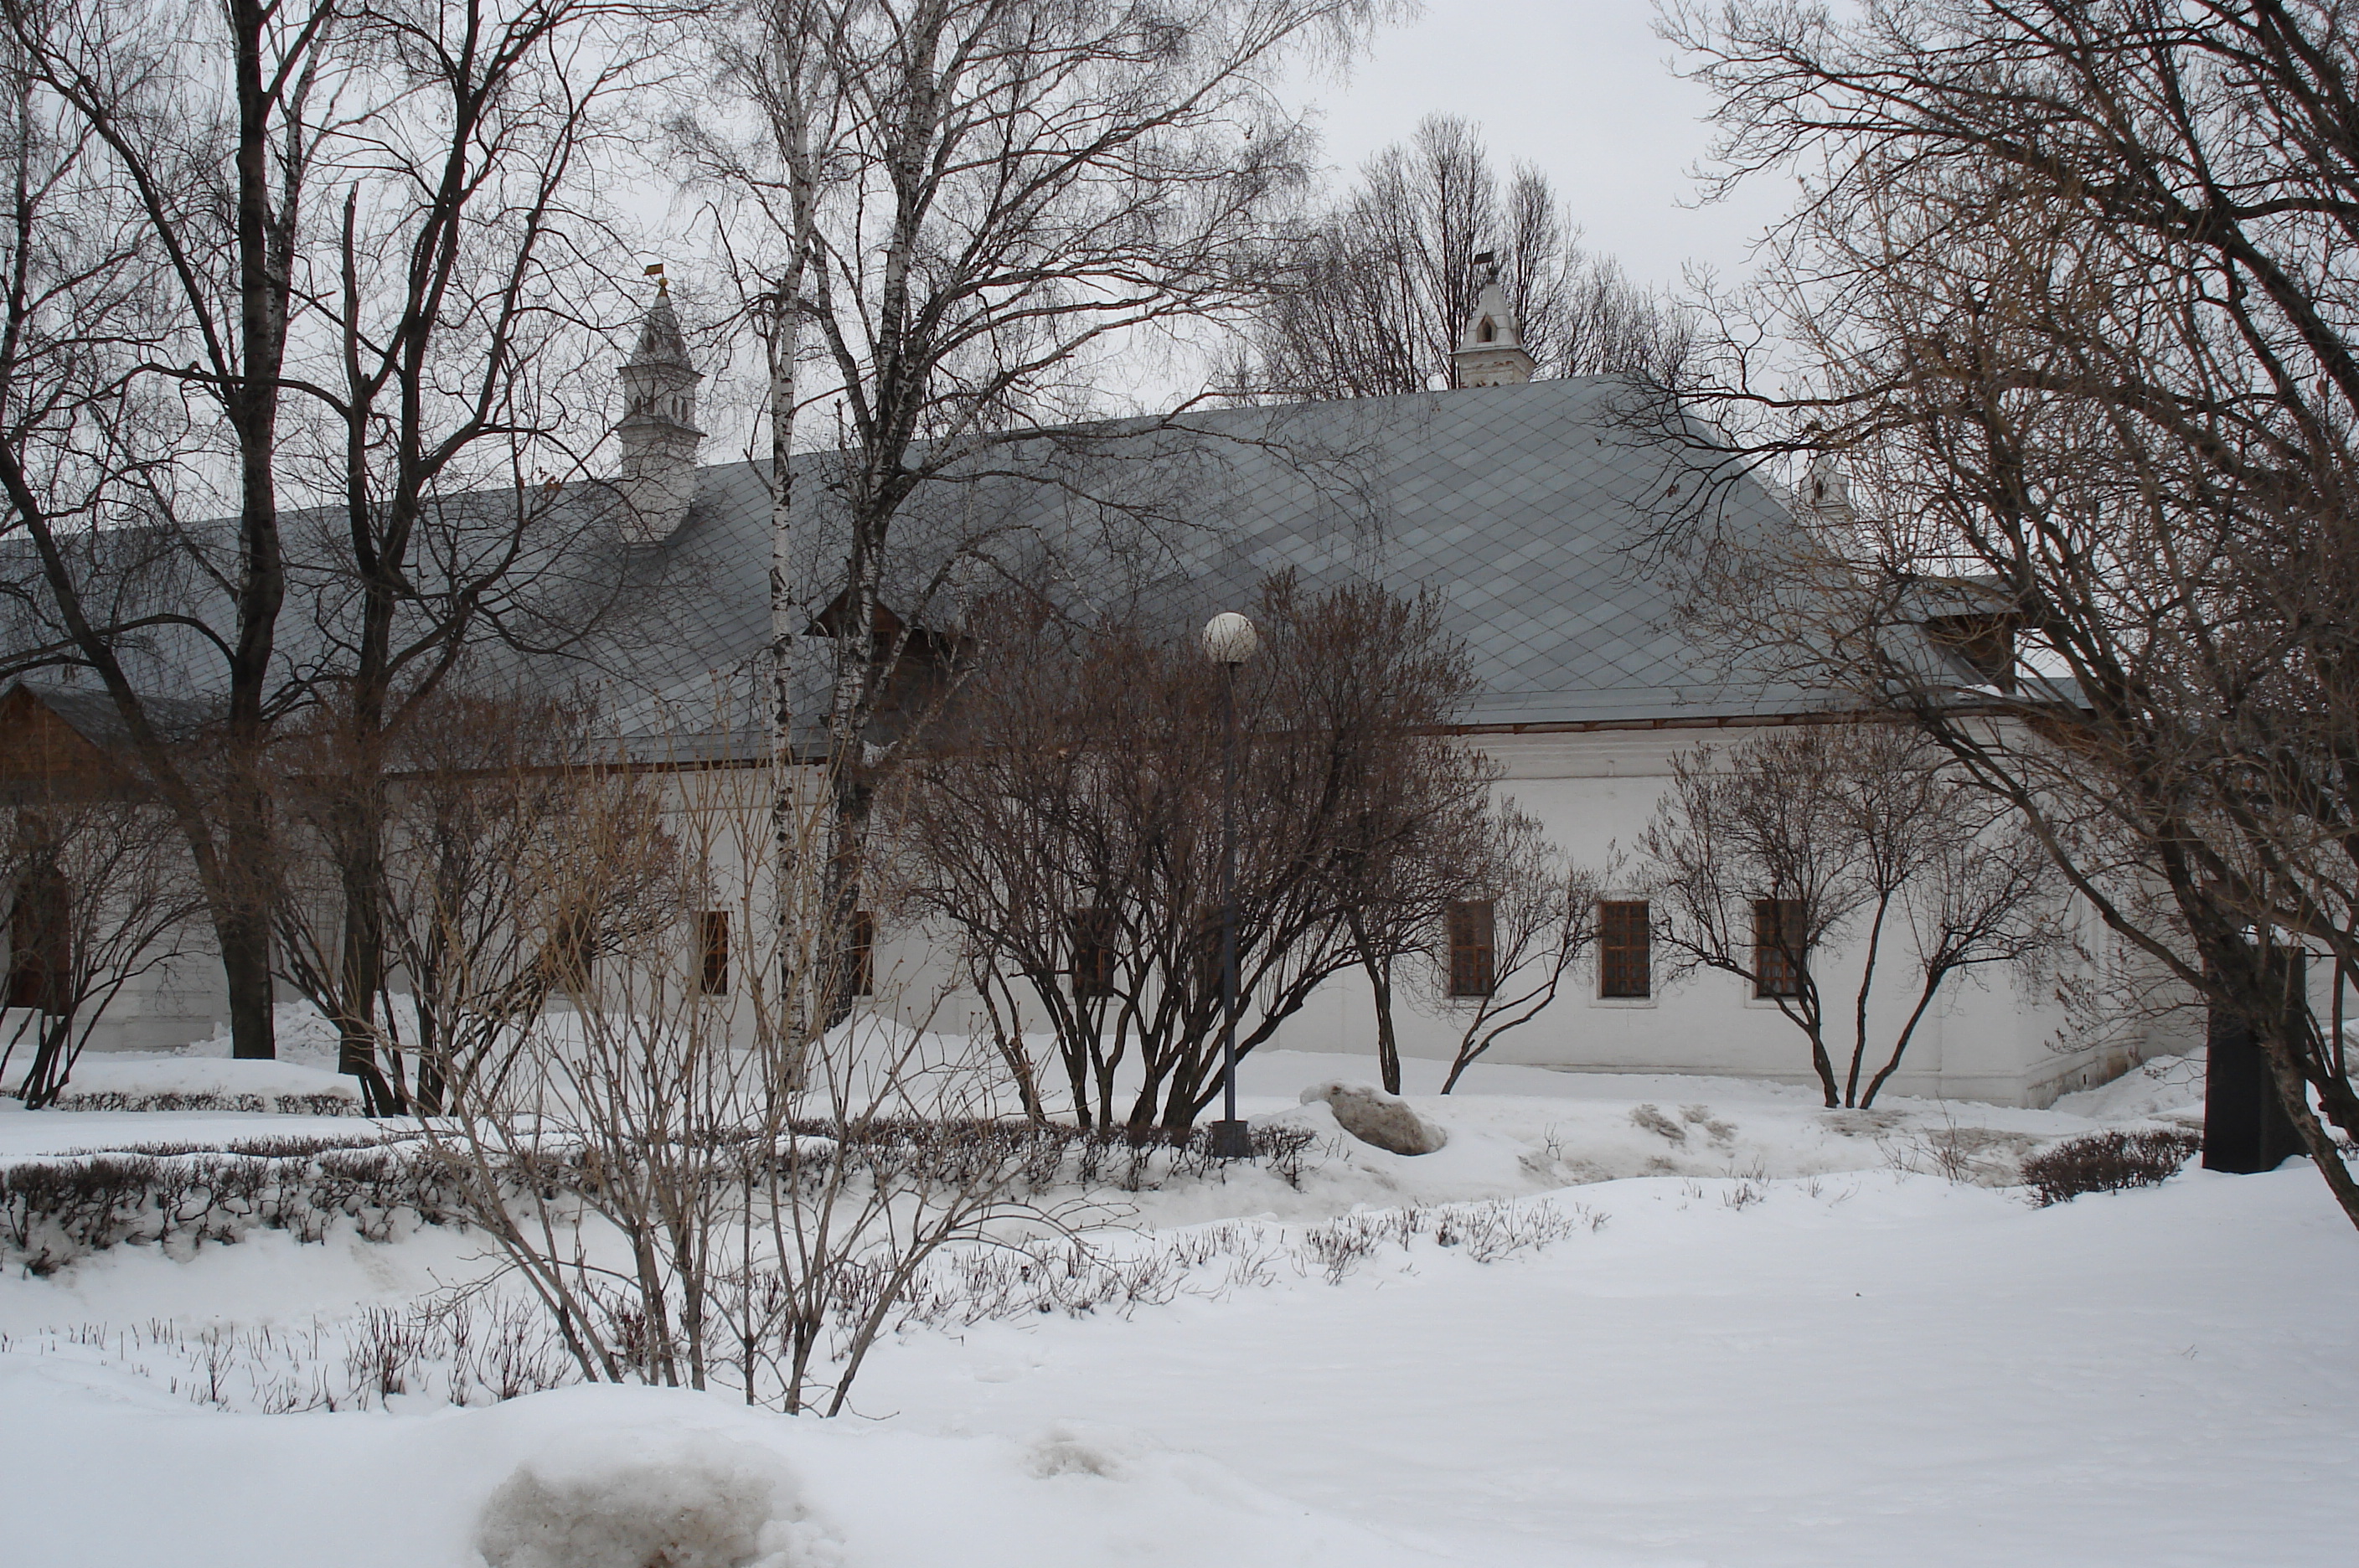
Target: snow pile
[
  {"x": 1753, "y": 1332},
  {"x": 170, "y": 1080},
  {"x": 679, "y": 1499},
  {"x": 2168, "y": 1086},
  {"x": 302, "y": 1034},
  {"x": 621, "y": 1477}
]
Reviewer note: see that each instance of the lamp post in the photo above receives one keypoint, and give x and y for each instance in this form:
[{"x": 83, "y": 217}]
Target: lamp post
[{"x": 1229, "y": 640}]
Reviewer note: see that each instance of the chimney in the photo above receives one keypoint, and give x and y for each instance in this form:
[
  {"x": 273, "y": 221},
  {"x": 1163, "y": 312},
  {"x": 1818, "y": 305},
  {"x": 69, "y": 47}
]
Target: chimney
[
  {"x": 1490, "y": 351},
  {"x": 658, "y": 431}
]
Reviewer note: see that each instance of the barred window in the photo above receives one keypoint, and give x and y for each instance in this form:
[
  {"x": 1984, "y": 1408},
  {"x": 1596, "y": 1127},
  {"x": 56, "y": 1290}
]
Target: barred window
[
  {"x": 1091, "y": 933},
  {"x": 1625, "y": 948},
  {"x": 1471, "y": 955},
  {"x": 1779, "y": 934},
  {"x": 714, "y": 929}
]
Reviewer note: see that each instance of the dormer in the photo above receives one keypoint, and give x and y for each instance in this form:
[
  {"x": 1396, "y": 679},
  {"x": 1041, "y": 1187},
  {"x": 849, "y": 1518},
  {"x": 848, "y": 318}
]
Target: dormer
[
  {"x": 1975, "y": 625},
  {"x": 1490, "y": 351}
]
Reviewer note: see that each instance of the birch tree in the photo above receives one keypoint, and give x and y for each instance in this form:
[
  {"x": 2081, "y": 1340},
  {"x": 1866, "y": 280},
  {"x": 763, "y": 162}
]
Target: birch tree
[{"x": 964, "y": 207}]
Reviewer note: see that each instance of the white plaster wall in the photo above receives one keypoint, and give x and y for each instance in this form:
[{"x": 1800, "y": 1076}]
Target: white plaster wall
[
  {"x": 1994, "y": 1035},
  {"x": 178, "y": 1000}
]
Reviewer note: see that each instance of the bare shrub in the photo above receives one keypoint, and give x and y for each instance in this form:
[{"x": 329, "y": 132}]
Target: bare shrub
[
  {"x": 2111, "y": 1161},
  {"x": 1076, "y": 854},
  {"x": 1762, "y": 856},
  {"x": 699, "y": 1184},
  {"x": 53, "y": 1212},
  {"x": 100, "y": 892}
]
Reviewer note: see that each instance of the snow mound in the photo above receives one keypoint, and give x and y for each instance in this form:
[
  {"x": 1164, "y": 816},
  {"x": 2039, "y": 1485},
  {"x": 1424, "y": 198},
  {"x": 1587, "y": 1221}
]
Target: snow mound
[
  {"x": 677, "y": 1499},
  {"x": 299, "y": 1031},
  {"x": 2167, "y": 1085},
  {"x": 1370, "y": 1114},
  {"x": 167, "y": 1080}
]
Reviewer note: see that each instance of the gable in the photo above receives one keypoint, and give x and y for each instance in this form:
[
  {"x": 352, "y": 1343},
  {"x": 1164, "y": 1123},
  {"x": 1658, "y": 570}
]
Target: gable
[{"x": 42, "y": 755}]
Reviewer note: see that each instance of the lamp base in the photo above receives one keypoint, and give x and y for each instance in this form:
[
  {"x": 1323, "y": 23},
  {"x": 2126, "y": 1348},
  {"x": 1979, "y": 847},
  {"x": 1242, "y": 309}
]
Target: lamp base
[{"x": 1232, "y": 1140}]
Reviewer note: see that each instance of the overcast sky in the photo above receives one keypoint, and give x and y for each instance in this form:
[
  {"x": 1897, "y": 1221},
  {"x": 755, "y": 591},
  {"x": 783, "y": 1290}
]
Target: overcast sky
[{"x": 1582, "y": 88}]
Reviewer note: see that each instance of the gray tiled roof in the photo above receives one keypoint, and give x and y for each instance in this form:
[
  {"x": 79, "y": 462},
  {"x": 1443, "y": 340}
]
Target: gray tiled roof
[{"x": 1527, "y": 507}]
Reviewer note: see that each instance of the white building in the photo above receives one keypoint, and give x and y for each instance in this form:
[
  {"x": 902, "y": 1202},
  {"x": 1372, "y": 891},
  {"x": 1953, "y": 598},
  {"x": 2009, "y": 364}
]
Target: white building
[{"x": 1527, "y": 505}]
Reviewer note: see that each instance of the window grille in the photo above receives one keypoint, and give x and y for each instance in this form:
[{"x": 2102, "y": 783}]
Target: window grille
[
  {"x": 1625, "y": 948},
  {"x": 1471, "y": 955},
  {"x": 1779, "y": 933},
  {"x": 715, "y": 981}
]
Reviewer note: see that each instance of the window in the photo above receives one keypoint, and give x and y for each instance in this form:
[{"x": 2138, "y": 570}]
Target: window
[
  {"x": 862, "y": 953},
  {"x": 1780, "y": 931},
  {"x": 716, "y": 931},
  {"x": 1484, "y": 331},
  {"x": 1625, "y": 948},
  {"x": 571, "y": 955},
  {"x": 40, "y": 944},
  {"x": 1092, "y": 934},
  {"x": 1471, "y": 953},
  {"x": 1210, "y": 977}
]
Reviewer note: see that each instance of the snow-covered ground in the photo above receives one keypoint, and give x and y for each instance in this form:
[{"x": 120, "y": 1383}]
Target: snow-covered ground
[{"x": 1773, "y": 1336}]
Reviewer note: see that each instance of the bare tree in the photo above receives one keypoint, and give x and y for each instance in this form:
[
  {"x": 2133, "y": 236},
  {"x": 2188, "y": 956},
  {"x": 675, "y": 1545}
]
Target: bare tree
[
  {"x": 515, "y": 849},
  {"x": 700, "y": 1195},
  {"x": 468, "y": 210},
  {"x": 963, "y": 204},
  {"x": 388, "y": 357},
  {"x": 1071, "y": 836},
  {"x": 1543, "y": 919},
  {"x": 1763, "y": 856},
  {"x": 2072, "y": 297},
  {"x": 99, "y": 896},
  {"x": 214, "y": 171},
  {"x": 1375, "y": 297}
]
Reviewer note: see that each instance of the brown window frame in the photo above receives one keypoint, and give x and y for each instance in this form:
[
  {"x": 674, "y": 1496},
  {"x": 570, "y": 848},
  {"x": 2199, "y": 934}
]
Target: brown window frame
[
  {"x": 1781, "y": 957},
  {"x": 1625, "y": 950},
  {"x": 1471, "y": 927},
  {"x": 1089, "y": 939},
  {"x": 863, "y": 949},
  {"x": 41, "y": 943},
  {"x": 712, "y": 942}
]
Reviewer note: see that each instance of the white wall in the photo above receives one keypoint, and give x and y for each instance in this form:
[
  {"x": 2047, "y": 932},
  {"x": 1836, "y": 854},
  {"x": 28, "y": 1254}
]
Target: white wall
[
  {"x": 1994, "y": 1035},
  {"x": 1993, "y": 1038}
]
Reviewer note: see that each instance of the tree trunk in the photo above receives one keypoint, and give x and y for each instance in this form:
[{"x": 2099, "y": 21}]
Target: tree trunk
[
  {"x": 242, "y": 933},
  {"x": 1380, "y": 991},
  {"x": 361, "y": 960}
]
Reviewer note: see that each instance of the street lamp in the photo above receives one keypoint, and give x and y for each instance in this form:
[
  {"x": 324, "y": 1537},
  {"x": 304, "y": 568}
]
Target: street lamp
[{"x": 1229, "y": 640}]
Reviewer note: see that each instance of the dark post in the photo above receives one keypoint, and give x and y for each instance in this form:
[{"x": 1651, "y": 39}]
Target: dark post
[
  {"x": 1230, "y": 1138},
  {"x": 2246, "y": 1127}
]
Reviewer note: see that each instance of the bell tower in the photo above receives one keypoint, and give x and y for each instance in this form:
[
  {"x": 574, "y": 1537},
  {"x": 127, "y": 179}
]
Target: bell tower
[
  {"x": 658, "y": 431},
  {"x": 1490, "y": 351}
]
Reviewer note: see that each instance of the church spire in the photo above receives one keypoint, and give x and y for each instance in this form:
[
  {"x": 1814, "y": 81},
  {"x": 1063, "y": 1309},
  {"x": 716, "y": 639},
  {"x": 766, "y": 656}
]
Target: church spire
[
  {"x": 658, "y": 431},
  {"x": 1490, "y": 351}
]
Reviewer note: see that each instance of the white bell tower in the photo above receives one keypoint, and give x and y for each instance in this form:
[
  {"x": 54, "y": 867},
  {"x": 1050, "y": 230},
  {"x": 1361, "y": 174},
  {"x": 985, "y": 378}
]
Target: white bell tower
[
  {"x": 1490, "y": 351},
  {"x": 658, "y": 431}
]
